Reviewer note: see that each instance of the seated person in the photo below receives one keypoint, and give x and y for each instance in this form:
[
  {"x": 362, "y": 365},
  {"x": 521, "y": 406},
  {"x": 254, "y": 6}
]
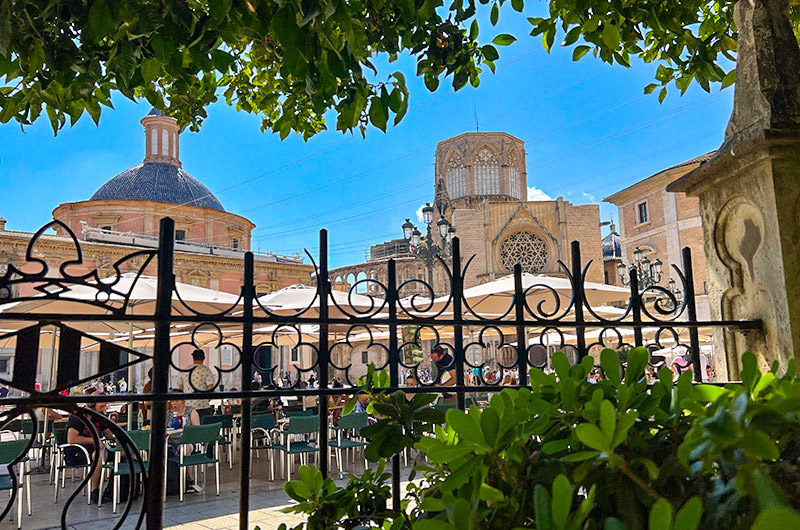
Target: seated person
[
  {"x": 273, "y": 404},
  {"x": 189, "y": 416},
  {"x": 411, "y": 380},
  {"x": 79, "y": 433}
]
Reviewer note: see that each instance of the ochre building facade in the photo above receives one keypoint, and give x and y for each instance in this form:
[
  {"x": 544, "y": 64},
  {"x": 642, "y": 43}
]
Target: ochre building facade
[{"x": 661, "y": 223}]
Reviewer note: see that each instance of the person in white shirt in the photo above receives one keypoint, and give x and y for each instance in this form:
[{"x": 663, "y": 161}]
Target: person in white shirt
[{"x": 199, "y": 378}]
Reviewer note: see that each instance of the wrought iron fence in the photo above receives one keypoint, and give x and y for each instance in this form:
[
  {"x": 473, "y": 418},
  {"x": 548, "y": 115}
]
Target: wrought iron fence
[{"x": 537, "y": 315}]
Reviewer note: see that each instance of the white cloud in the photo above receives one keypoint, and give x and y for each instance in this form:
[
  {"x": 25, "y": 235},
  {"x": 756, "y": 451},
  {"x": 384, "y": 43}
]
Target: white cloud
[
  {"x": 535, "y": 194},
  {"x": 588, "y": 196},
  {"x": 419, "y": 215}
]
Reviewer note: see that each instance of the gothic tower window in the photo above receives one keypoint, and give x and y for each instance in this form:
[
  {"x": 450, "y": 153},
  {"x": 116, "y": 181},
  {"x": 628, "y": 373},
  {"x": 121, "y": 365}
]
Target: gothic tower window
[
  {"x": 513, "y": 177},
  {"x": 487, "y": 173},
  {"x": 455, "y": 177},
  {"x": 525, "y": 248}
]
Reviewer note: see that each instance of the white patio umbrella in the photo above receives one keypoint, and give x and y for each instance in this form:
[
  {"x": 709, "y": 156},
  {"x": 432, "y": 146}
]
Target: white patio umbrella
[
  {"x": 495, "y": 297},
  {"x": 296, "y": 298},
  {"x": 141, "y": 294}
]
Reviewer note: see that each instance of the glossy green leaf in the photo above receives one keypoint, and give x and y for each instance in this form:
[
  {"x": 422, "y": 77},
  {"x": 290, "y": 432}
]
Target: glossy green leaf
[
  {"x": 609, "y": 362},
  {"x": 490, "y": 52},
  {"x": 579, "y": 52},
  {"x": 689, "y": 515},
  {"x": 749, "y": 371},
  {"x": 378, "y": 113},
  {"x": 608, "y": 419},
  {"x": 660, "y": 515},
  {"x": 474, "y": 29},
  {"x": 504, "y": 39},
  {"x": 591, "y": 436},
  {"x": 777, "y": 519},
  {"x": 580, "y": 456},
  {"x": 637, "y": 362},
  {"x": 542, "y": 508},
  {"x": 708, "y": 393},
  {"x": 495, "y": 14},
  {"x": 562, "y": 501},
  {"x": 729, "y": 79},
  {"x": 490, "y": 494}
]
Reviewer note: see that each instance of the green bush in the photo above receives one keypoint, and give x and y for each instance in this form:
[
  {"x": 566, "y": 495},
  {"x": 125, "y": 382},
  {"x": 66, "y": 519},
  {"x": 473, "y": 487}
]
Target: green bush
[{"x": 567, "y": 454}]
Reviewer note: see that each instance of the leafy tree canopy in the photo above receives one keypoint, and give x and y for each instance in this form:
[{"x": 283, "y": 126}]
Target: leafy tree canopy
[{"x": 291, "y": 61}]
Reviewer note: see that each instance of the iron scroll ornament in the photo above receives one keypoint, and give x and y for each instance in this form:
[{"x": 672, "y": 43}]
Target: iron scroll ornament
[{"x": 56, "y": 287}]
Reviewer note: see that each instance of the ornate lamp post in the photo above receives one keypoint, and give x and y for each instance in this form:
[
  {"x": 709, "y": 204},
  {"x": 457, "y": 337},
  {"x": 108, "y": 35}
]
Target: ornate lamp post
[
  {"x": 647, "y": 273},
  {"x": 435, "y": 244},
  {"x": 675, "y": 290}
]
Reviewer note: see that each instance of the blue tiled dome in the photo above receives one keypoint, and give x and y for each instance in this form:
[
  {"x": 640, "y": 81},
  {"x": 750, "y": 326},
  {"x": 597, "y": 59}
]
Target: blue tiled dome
[
  {"x": 158, "y": 182},
  {"x": 612, "y": 249}
]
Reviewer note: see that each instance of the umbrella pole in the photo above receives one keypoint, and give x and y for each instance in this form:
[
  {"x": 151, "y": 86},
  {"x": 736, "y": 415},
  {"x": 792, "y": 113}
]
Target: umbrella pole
[
  {"x": 50, "y": 384},
  {"x": 130, "y": 374}
]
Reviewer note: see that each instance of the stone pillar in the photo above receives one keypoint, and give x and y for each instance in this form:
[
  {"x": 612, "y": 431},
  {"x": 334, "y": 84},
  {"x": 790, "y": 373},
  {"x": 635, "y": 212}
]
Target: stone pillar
[{"x": 750, "y": 195}]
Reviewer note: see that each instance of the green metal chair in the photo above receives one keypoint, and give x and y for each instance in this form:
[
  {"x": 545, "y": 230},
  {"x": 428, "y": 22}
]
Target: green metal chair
[
  {"x": 61, "y": 467},
  {"x": 298, "y": 426},
  {"x": 262, "y": 439},
  {"x": 38, "y": 445},
  {"x": 228, "y": 433},
  {"x": 118, "y": 469},
  {"x": 444, "y": 407},
  {"x": 202, "y": 435},
  {"x": 10, "y": 451},
  {"x": 291, "y": 411},
  {"x": 346, "y": 437},
  {"x": 57, "y": 426}
]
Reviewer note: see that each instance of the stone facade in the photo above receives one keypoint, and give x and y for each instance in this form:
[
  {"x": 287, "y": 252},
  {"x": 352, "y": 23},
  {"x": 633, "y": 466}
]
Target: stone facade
[
  {"x": 484, "y": 183},
  {"x": 749, "y": 194}
]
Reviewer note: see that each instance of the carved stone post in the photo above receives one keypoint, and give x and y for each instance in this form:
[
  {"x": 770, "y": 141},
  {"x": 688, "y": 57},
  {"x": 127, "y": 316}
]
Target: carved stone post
[{"x": 750, "y": 194}]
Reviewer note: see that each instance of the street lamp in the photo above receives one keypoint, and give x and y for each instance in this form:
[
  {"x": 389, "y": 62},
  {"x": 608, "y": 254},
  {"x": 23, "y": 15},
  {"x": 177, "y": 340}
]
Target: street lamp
[
  {"x": 647, "y": 273},
  {"x": 435, "y": 244},
  {"x": 675, "y": 290}
]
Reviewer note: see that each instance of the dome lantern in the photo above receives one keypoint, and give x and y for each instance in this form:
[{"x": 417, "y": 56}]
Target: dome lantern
[{"x": 162, "y": 138}]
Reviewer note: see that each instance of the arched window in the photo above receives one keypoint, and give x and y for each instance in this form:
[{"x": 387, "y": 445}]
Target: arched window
[
  {"x": 164, "y": 143},
  {"x": 455, "y": 177},
  {"x": 487, "y": 173},
  {"x": 513, "y": 177}
]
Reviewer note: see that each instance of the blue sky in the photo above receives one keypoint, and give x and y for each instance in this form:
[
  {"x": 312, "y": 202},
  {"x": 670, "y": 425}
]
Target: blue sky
[{"x": 588, "y": 128}]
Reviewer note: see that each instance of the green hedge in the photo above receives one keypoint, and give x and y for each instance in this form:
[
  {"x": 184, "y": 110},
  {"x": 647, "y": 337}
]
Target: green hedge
[{"x": 567, "y": 454}]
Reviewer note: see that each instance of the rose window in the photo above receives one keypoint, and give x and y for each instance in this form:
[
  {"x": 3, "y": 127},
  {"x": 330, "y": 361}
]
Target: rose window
[{"x": 525, "y": 248}]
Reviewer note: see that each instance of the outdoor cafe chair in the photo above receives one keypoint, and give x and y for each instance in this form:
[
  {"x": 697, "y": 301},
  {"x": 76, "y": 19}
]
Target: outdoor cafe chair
[
  {"x": 57, "y": 426},
  {"x": 263, "y": 439},
  {"x": 302, "y": 426},
  {"x": 10, "y": 451},
  {"x": 61, "y": 467},
  {"x": 39, "y": 444},
  {"x": 228, "y": 433},
  {"x": 118, "y": 469},
  {"x": 346, "y": 437},
  {"x": 201, "y": 435}
]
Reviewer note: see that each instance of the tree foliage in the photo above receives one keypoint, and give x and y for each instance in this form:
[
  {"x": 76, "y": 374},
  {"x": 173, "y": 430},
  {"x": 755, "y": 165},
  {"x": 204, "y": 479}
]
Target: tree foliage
[{"x": 292, "y": 61}]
